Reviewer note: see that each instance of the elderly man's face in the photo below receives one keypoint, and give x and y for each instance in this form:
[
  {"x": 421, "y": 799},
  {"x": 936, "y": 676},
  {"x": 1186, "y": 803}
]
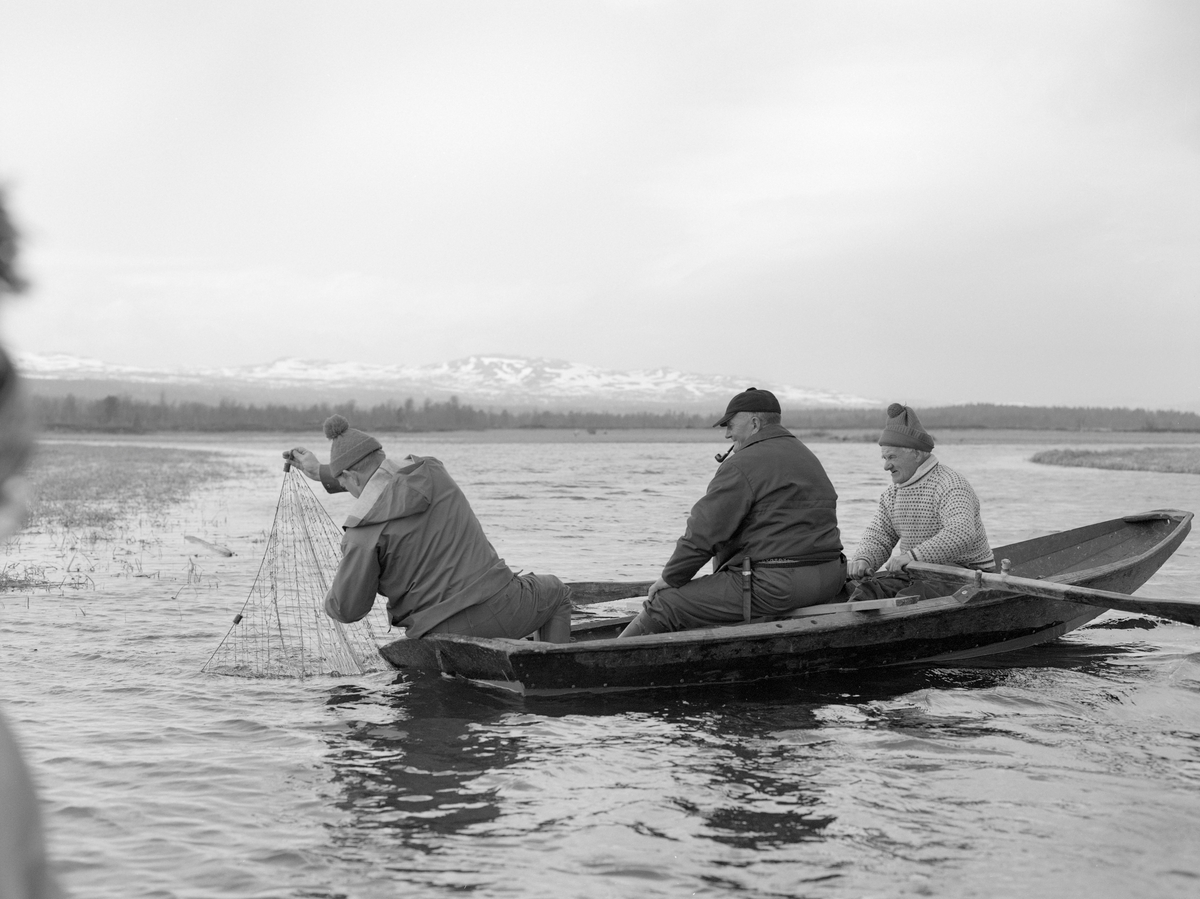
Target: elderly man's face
[
  {"x": 901, "y": 462},
  {"x": 741, "y": 428}
]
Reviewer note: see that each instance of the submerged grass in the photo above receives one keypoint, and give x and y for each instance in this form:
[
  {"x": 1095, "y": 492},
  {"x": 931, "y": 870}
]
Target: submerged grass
[
  {"x": 75, "y": 485},
  {"x": 83, "y": 500},
  {"x": 1165, "y": 459}
]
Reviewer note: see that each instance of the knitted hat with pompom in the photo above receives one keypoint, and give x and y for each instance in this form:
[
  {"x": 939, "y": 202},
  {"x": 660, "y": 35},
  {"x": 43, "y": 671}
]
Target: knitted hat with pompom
[
  {"x": 903, "y": 428},
  {"x": 349, "y": 444}
]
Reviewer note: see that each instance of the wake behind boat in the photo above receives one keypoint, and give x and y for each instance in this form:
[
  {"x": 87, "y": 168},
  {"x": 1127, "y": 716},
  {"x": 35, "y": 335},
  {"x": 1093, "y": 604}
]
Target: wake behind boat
[{"x": 952, "y": 625}]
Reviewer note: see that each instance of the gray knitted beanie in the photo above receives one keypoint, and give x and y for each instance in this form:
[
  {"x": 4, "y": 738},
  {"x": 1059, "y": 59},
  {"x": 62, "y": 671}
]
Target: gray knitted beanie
[
  {"x": 349, "y": 444},
  {"x": 903, "y": 428}
]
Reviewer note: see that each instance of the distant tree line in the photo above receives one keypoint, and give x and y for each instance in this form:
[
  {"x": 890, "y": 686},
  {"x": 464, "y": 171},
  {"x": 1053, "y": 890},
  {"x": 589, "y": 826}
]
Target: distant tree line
[{"x": 124, "y": 414}]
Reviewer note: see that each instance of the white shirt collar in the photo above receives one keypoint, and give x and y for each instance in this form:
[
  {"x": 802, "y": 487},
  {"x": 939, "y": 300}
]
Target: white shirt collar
[{"x": 923, "y": 469}]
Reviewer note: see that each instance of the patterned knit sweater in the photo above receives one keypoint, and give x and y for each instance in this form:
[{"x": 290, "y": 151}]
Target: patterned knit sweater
[{"x": 934, "y": 516}]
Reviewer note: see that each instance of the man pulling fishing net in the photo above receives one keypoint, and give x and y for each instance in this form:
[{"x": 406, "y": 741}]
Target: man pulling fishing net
[{"x": 412, "y": 537}]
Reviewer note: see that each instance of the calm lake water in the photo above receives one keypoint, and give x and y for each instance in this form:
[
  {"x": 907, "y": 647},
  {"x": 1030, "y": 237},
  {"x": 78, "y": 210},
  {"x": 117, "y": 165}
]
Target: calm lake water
[{"x": 1069, "y": 770}]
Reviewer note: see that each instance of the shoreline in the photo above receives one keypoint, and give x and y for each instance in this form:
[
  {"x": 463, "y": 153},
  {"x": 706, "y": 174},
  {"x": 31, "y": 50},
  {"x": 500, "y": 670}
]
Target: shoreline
[{"x": 1161, "y": 459}]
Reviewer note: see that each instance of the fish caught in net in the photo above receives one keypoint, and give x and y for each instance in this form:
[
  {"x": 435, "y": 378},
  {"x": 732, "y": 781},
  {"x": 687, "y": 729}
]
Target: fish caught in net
[{"x": 282, "y": 629}]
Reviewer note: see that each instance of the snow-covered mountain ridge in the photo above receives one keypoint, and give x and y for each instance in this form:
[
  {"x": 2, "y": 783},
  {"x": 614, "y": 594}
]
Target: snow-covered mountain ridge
[{"x": 494, "y": 380}]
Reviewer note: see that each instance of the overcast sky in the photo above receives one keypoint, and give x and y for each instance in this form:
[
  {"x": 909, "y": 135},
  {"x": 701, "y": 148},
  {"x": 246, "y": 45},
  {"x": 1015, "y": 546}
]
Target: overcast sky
[{"x": 922, "y": 201}]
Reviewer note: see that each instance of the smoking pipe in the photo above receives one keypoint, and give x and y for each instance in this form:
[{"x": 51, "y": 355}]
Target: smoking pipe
[{"x": 721, "y": 457}]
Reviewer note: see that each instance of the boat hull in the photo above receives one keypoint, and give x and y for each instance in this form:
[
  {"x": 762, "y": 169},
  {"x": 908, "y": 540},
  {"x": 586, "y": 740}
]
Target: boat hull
[{"x": 1118, "y": 555}]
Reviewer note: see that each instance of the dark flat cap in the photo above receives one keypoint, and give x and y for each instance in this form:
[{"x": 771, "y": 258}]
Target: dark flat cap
[{"x": 752, "y": 400}]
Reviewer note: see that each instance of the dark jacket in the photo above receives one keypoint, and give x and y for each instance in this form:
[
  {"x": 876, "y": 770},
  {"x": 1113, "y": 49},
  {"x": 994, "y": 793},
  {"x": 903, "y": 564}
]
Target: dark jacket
[
  {"x": 770, "y": 500},
  {"x": 412, "y": 537}
]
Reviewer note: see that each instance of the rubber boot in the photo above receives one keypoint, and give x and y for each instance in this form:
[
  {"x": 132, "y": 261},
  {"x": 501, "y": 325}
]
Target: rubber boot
[{"x": 641, "y": 625}]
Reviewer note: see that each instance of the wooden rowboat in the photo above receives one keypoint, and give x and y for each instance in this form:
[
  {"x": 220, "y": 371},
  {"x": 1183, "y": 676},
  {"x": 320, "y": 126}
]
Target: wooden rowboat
[{"x": 953, "y": 625}]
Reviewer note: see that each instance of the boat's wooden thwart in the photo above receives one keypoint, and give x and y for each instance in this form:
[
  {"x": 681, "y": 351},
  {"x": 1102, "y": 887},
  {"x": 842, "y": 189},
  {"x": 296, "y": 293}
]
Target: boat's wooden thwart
[
  {"x": 585, "y": 593},
  {"x": 1116, "y": 556}
]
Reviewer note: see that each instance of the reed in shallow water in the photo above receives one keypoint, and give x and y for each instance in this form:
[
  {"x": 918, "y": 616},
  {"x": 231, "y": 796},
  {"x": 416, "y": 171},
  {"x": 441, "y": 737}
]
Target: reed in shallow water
[
  {"x": 1166, "y": 459},
  {"x": 77, "y": 485},
  {"x": 84, "y": 499}
]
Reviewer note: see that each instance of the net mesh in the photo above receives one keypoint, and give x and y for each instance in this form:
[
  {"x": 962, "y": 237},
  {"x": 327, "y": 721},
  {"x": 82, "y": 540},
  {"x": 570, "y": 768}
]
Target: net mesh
[{"x": 282, "y": 629}]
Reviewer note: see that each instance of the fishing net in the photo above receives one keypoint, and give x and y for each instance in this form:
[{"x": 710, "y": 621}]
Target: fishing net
[{"x": 282, "y": 629}]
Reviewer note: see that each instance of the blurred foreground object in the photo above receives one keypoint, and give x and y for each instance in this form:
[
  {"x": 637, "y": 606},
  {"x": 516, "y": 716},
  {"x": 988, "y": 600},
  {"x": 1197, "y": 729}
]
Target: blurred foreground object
[
  {"x": 24, "y": 872},
  {"x": 10, "y": 281},
  {"x": 16, "y": 434}
]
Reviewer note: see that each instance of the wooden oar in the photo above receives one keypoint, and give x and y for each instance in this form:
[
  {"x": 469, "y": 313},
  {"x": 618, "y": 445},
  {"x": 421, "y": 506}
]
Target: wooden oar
[
  {"x": 1185, "y": 610},
  {"x": 585, "y": 593}
]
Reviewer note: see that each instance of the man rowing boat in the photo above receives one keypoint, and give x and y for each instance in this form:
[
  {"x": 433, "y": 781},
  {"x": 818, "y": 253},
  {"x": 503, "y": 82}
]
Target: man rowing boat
[
  {"x": 412, "y": 536},
  {"x": 768, "y": 521},
  {"x": 930, "y": 512}
]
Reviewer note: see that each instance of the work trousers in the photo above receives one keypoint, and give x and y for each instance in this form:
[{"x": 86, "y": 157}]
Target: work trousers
[
  {"x": 531, "y": 603},
  {"x": 717, "y": 598}
]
